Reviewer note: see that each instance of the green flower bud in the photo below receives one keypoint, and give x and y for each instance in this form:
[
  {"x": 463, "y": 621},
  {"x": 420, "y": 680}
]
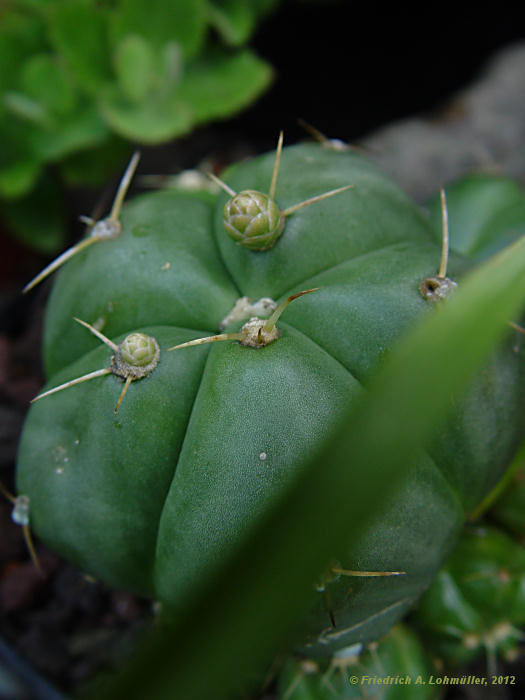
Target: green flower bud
[
  {"x": 253, "y": 220},
  {"x": 137, "y": 356},
  {"x": 138, "y": 349}
]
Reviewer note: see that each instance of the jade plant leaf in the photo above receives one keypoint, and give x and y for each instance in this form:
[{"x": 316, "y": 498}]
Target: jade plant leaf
[
  {"x": 78, "y": 31},
  {"x": 217, "y": 84},
  {"x": 234, "y": 20},
  {"x": 74, "y": 73},
  {"x": 162, "y": 21}
]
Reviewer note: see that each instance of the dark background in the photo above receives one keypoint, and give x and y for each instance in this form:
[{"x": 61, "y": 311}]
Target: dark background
[{"x": 350, "y": 67}]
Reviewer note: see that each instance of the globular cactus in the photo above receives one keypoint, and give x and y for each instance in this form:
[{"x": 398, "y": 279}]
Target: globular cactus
[
  {"x": 152, "y": 498},
  {"x": 476, "y": 605}
]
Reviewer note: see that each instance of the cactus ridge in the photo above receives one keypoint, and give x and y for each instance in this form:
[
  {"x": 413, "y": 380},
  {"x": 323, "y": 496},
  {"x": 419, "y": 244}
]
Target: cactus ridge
[{"x": 171, "y": 481}]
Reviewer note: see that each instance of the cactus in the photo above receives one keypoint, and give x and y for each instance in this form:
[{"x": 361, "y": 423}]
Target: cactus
[
  {"x": 152, "y": 498},
  {"x": 396, "y": 668},
  {"x": 476, "y": 605}
]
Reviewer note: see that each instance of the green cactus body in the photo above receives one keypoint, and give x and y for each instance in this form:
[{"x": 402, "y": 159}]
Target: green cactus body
[
  {"x": 153, "y": 498},
  {"x": 396, "y": 668},
  {"x": 476, "y": 605}
]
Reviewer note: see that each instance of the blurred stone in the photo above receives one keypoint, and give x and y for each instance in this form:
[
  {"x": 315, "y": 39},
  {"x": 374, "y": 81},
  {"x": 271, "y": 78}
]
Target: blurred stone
[{"x": 481, "y": 129}]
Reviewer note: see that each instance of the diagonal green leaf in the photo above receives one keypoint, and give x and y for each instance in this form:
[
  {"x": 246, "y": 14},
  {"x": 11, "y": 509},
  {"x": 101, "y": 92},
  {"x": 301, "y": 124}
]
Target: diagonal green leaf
[{"x": 238, "y": 619}]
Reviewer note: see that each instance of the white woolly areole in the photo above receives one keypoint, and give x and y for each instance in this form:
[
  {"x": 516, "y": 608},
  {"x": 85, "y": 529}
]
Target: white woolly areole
[
  {"x": 244, "y": 308},
  {"x": 253, "y": 334}
]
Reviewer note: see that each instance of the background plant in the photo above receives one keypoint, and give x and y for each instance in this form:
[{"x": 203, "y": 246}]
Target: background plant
[{"x": 81, "y": 79}]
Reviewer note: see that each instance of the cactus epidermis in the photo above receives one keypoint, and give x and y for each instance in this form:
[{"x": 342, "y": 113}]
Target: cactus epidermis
[{"x": 152, "y": 499}]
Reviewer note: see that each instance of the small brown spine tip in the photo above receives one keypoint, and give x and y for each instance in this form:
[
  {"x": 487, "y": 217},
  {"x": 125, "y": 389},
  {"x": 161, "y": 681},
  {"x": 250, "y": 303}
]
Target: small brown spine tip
[
  {"x": 270, "y": 323},
  {"x": 516, "y": 327}
]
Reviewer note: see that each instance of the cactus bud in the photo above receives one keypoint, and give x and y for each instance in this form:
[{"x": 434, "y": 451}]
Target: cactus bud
[
  {"x": 253, "y": 220},
  {"x": 138, "y": 349}
]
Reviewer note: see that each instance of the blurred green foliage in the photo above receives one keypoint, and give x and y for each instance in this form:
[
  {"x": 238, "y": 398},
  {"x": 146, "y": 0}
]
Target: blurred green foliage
[{"x": 80, "y": 79}]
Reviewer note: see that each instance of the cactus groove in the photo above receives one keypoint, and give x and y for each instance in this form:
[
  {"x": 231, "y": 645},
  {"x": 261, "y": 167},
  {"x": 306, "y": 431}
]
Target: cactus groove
[{"x": 151, "y": 499}]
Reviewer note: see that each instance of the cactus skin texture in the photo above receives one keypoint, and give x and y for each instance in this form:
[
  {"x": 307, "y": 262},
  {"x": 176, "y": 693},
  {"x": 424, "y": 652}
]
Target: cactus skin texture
[
  {"x": 151, "y": 500},
  {"x": 476, "y": 605}
]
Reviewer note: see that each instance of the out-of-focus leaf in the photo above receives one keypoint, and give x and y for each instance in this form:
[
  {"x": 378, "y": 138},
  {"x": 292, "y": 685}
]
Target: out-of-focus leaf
[
  {"x": 45, "y": 81},
  {"x": 161, "y": 22},
  {"x": 170, "y": 66},
  {"x": 25, "y": 108},
  {"x": 19, "y": 167},
  {"x": 38, "y": 218},
  {"x": 237, "y": 619},
  {"x": 218, "y": 85},
  {"x": 18, "y": 178},
  {"x": 151, "y": 121},
  {"x": 21, "y": 36},
  {"x": 78, "y": 30},
  {"x": 82, "y": 129},
  {"x": 135, "y": 67},
  {"x": 234, "y": 20},
  {"x": 95, "y": 166}
]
